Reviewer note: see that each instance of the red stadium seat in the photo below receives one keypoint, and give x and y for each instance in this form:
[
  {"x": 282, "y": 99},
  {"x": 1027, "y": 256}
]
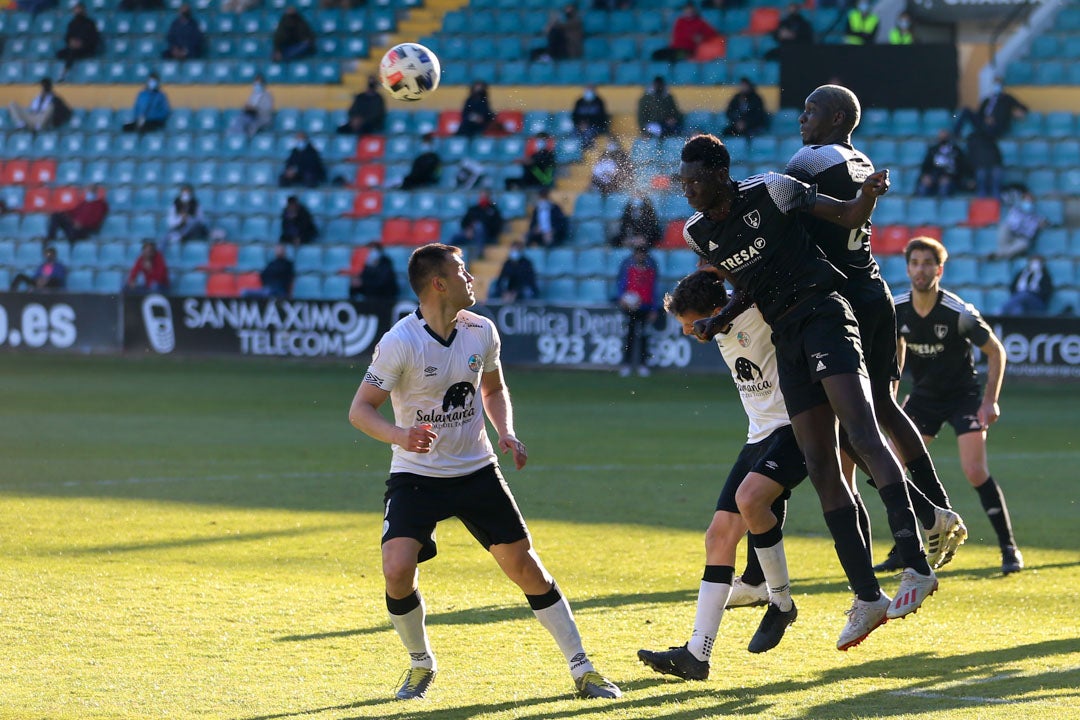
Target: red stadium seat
[
  {"x": 248, "y": 281},
  {"x": 711, "y": 49},
  {"x": 42, "y": 172},
  {"x": 15, "y": 172},
  {"x": 673, "y": 236},
  {"x": 931, "y": 231},
  {"x": 370, "y": 147},
  {"x": 511, "y": 121},
  {"x": 397, "y": 231},
  {"x": 222, "y": 256},
  {"x": 426, "y": 230},
  {"x": 38, "y": 200},
  {"x": 764, "y": 20},
  {"x": 449, "y": 122},
  {"x": 983, "y": 212},
  {"x": 64, "y": 198},
  {"x": 370, "y": 175},
  {"x": 221, "y": 284},
  {"x": 890, "y": 240},
  {"x": 366, "y": 204},
  {"x": 356, "y": 262}
]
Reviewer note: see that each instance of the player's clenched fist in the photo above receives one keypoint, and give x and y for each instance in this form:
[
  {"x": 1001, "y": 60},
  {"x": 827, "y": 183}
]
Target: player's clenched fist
[{"x": 420, "y": 438}]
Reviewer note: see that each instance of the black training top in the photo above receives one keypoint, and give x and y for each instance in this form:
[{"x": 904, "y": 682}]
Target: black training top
[
  {"x": 762, "y": 245},
  {"x": 939, "y": 345}
]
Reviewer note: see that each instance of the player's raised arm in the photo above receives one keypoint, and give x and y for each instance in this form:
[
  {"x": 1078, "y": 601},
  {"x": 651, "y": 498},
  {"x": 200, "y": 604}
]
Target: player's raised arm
[
  {"x": 707, "y": 328},
  {"x": 852, "y": 213}
]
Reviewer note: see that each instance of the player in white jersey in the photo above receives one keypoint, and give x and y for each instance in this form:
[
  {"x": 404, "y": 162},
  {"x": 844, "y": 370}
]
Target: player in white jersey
[
  {"x": 768, "y": 467},
  {"x": 440, "y": 369}
]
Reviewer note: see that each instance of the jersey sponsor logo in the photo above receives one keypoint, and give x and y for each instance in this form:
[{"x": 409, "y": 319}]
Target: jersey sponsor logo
[
  {"x": 746, "y": 370},
  {"x": 819, "y": 355},
  {"x": 750, "y": 380},
  {"x": 457, "y": 395},
  {"x": 746, "y": 256},
  {"x": 476, "y": 363},
  {"x": 941, "y": 331},
  {"x": 373, "y": 379},
  {"x": 743, "y": 338},
  {"x": 753, "y": 219},
  {"x": 430, "y": 371},
  {"x": 759, "y": 243},
  {"x": 926, "y": 349}
]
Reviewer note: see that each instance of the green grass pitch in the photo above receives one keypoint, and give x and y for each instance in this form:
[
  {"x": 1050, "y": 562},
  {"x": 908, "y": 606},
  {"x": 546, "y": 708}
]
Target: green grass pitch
[{"x": 199, "y": 539}]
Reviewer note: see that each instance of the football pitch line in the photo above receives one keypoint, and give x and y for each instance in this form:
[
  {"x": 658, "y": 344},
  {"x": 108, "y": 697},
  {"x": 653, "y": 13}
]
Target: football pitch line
[{"x": 978, "y": 699}]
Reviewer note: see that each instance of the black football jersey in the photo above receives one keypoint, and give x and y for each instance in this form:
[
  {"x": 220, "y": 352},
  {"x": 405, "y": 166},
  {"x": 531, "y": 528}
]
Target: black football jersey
[
  {"x": 839, "y": 170},
  {"x": 939, "y": 354},
  {"x": 762, "y": 245}
]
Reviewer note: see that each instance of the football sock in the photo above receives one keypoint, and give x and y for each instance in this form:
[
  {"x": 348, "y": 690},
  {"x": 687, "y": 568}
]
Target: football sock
[
  {"x": 902, "y": 524},
  {"x": 712, "y": 598},
  {"x": 864, "y": 524},
  {"x": 924, "y": 476},
  {"x": 554, "y": 613},
  {"x": 770, "y": 549},
  {"x": 843, "y": 524},
  {"x": 752, "y": 574},
  {"x": 921, "y": 504},
  {"x": 407, "y": 615},
  {"x": 993, "y": 502}
]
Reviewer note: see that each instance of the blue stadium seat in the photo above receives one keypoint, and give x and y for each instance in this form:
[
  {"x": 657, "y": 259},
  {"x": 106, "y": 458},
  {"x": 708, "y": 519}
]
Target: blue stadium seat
[
  {"x": 251, "y": 257},
  {"x": 335, "y": 287},
  {"x": 994, "y": 272},
  {"x": 80, "y": 281},
  {"x": 961, "y": 271},
  {"x": 958, "y": 240},
  {"x": 308, "y": 287},
  {"x": 906, "y": 121},
  {"x": 594, "y": 290},
  {"x": 559, "y": 289},
  {"x": 592, "y": 261},
  {"x": 256, "y": 228},
  {"x": 1050, "y": 72},
  {"x": 113, "y": 254},
  {"x": 189, "y": 284},
  {"x": 194, "y": 253},
  {"x": 560, "y": 261},
  {"x": 1060, "y": 125},
  {"x": 109, "y": 281}
]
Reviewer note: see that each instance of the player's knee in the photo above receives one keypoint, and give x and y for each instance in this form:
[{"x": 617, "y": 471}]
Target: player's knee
[
  {"x": 398, "y": 570},
  {"x": 751, "y": 499},
  {"x": 866, "y": 440},
  {"x": 721, "y": 530},
  {"x": 975, "y": 472}
]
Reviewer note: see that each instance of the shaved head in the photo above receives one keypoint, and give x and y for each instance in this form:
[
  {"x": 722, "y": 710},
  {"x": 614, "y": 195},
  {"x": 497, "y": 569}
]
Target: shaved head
[{"x": 838, "y": 99}]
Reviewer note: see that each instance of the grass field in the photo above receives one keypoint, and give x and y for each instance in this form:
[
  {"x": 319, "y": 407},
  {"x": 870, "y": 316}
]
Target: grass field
[{"x": 199, "y": 539}]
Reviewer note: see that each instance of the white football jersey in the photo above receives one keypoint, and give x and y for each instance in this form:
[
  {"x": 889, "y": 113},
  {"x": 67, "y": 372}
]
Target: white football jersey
[
  {"x": 438, "y": 382},
  {"x": 749, "y": 352}
]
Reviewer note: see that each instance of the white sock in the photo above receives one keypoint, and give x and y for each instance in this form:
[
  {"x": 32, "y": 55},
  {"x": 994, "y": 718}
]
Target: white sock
[
  {"x": 558, "y": 620},
  {"x": 774, "y": 567},
  {"x": 711, "y": 600},
  {"x": 412, "y": 630}
]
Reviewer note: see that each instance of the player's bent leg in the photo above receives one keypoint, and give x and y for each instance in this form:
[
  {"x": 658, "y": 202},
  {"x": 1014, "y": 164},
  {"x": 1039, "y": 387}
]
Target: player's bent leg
[
  {"x": 399, "y": 561},
  {"x": 756, "y": 496},
  {"x": 973, "y": 460},
  {"x": 519, "y": 562}
]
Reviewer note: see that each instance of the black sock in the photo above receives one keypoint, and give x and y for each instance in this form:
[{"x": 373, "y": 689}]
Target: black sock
[
  {"x": 902, "y": 524},
  {"x": 864, "y": 525},
  {"x": 924, "y": 476},
  {"x": 403, "y": 606},
  {"x": 752, "y": 573},
  {"x": 993, "y": 502},
  {"x": 843, "y": 525},
  {"x": 922, "y": 505}
]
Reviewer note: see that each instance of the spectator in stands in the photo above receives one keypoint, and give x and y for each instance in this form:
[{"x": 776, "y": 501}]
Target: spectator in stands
[
  {"x": 185, "y": 219},
  {"x": 637, "y": 293},
  {"x": 293, "y": 38},
  {"x": 481, "y": 225},
  {"x": 688, "y": 32},
  {"x": 149, "y": 273},
  {"x": 377, "y": 280},
  {"x": 1018, "y": 229},
  {"x": 901, "y": 32},
  {"x": 639, "y": 223},
  {"x": 995, "y": 114},
  {"x": 590, "y": 117},
  {"x": 476, "y": 114},
  {"x": 81, "y": 40},
  {"x": 470, "y": 174},
  {"x": 862, "y": 24},
  {"x": 185, "y": 39},
  {"x": 258, "y": 111},
  {"x": 574, "y": 29},
  {"x": 794, "y": 29},
  {"x": 549, "y": 225},
  {"x": 297, "y": 225},
  {"x": 277, "y": 277},
  {"x": 658, "y": 114},
  {"x": 1031, "y": 289},
  {"x": 612, "y": 4},
  {"x": 426, "y": 167},
  {"x": 51, "y": 274},
  {"x": 539, "y": 169},
  {"x": 151, "y": 109},
  {"x": 47, "y": 111},
  {"x": 304, "y": 166},
  {"x": 746, "y": 112},
  {"x": 238, "y": 6},
  {"x": 612, "y": 171},
  {"x": 942, "y": 167},
  {"x": 141, "y": 5},
  {"x": 517, "y": 279},
  {"x": 367, "y": 114},
  {"x": 81, "y": 221},
  {"x": 985, "y": 159},
  {"x": 33, "y": 6},
  {"x": 554, "y": 47}
]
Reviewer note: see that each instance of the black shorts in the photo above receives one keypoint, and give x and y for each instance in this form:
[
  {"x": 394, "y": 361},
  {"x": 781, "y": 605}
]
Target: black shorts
[
  {"x": 877, "y": 329},
  {"x": 929, "y": 413},
  {"x": 414, "y": 504},
  {"x": 777, "y": 457},
  {"x": 817, "y": 339}
]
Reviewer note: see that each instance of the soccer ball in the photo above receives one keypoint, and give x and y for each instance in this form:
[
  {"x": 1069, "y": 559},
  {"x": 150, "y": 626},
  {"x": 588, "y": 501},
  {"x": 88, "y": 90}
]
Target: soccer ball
[{"x": 409, "y": 71}]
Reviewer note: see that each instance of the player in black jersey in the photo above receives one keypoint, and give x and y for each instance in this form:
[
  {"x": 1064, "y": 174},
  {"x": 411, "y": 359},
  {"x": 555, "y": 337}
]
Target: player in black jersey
[
  {"x": 749, "y": 231},
  {"x": 828, "y": 160},
  {"x": 937, "y": 332}
]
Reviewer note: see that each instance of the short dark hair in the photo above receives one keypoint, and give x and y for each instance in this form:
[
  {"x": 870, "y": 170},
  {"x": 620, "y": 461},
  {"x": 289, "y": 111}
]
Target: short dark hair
[
  {"x": 926, "y": 243},
  {"x": 428, "y": 261},
  {"x": 701, "y": 292},
  {"x": 709, "y": 150},
  {"x": 838, "y": 98}
]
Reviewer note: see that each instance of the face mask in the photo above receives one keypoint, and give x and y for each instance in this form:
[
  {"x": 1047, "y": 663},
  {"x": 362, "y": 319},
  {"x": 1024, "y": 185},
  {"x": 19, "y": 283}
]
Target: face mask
[
  {"x": 589, "y": 95},
  {"x": 515, "y": 255},
  {"x": 259, "y": 87},
  {"x": 864, "y": 7},
  {"x": 1036, "y": 265},
  {"x": 1027, "y": 206},
  {"x": 300, "y": 143},
  {"x": 374, "y": 256},
  {"x": 996, "y": 88},
  {"x": 91, "y": 196},
  {"x": 152, "y": 84},
  {"x": 904, "y": 24},
  {"x": 636, "y": 202},
  {"x": 185, "y": 197},
  {"x": 612, "y": 146}
]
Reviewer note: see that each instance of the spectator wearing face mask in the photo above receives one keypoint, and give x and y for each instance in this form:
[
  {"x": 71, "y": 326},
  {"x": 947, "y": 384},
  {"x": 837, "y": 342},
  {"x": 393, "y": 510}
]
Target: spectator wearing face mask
[
  {"x": 425, "y": 168},
  {"x": 277, "y": 277},
  {"x": 304, "y": 166},
  {"x": 185, "y": 39},
  {"x": 862, "y": 24},
  {"x": 942, "y": 167},
  {"x": 590, "y": 117},
  {"x": 480, "y": 227},
  {"x": 1018, "y": 229},
  {"x": 1032, "y": 288},
  {"x": 611, "y": 172},
  {"x": 658, "y": 114},
  {"x": 293, "y": 38},
  {"x": 639, "y": 223},
  {"x": 517, "y": 279},
  {"x": 81, "y": 40},
  {"x": 51, "y": 274},
  {"x": 258, "y": 111},
  {"x": 47, "y": 111},
  {"x": 367, "y": 114},
  {"x": 81, "y": 221},
  {"x": 185, "y": 219},
  {"x": 151, "y": 109},
  {"x": 378, "y": 279},
  {"x": 995, "y": 114},
  {"x": 297, "y": 225},
  {"x": 901, "y": 32},
  {"x": 549, "y": 225}
]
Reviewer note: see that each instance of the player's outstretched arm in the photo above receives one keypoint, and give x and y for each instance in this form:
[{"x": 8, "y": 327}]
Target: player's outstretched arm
[
  {"x": 853, "y": 213},
  {"x": 365, "y": 416},
  {"x": 501, "y": 414},
  {"x": 708, "y": 328},
  {"x": 989, "y": 411}
]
